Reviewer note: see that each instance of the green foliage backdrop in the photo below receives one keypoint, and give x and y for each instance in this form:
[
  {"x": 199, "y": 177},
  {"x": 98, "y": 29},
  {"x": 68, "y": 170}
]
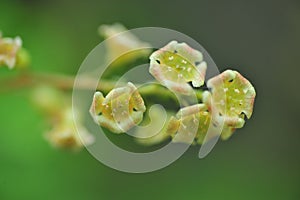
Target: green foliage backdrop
[{"x": 259, "y": 38}]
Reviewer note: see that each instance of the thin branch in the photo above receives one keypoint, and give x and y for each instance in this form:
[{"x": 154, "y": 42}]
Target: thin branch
[
  {"x": 59, "y": 81},
  {"x": 66, "y": 82}
]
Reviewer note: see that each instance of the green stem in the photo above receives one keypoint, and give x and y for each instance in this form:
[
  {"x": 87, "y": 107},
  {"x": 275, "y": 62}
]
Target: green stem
[
  {"x": 66, "y": 82},
  {"x": 63, "y": 82}
]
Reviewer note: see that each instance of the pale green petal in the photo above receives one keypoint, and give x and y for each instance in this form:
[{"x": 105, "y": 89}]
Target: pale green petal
[
  {"x": 232, "y": 94},
  {"x": 192, "y": 119},
  {"x": 231, "y": 99},
  {"x": 120, "y": 110},
  {"x": 176, "y": 64}
]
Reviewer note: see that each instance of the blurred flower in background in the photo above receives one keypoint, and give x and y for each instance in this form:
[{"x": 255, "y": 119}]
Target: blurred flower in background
[
  {"x": 9, "y": 48},
  {"x": 57, "y": 108}
]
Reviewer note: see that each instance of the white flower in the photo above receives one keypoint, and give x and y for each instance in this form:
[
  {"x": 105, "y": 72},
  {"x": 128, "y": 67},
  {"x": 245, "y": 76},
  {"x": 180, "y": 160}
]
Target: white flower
[{"x": 8, "y": 50}]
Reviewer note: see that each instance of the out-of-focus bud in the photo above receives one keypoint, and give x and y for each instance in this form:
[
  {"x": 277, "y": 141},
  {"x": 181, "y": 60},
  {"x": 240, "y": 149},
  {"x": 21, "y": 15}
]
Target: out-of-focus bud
[
  {"x": 48, "y": 100},
  {"x": 9, "y": 48},
  {"x": 55, "y": 105},
  {"x": 68, "y": 136},
  {"x": 23, "y": 59},
  {"x": 176, "y": 64},
  {"x": 118, "y": 44},
  {"x": 120, "y": 110}
]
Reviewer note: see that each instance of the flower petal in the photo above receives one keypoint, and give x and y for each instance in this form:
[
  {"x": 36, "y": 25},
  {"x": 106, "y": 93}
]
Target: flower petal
[
  {"x": 232, "y": 94},
  {"x": 8, "y": 50},
  {"x": 231, "y": 98},
  {"x": 176, "y": 64},
  {"x": 120, "y": 110},
  {"x": 197, "y": 119},
  {"x": 189, "y": 121}
]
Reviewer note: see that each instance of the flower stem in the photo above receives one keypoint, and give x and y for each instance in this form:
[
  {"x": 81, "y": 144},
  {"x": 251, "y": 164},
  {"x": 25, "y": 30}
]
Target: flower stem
[
  {"x": 63, "y": 82},
  {"x": 66, "y": 82}
]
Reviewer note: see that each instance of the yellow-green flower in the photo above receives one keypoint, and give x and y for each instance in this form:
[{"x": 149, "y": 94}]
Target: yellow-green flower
[
  {"x": 176, "y": 64},
  {"x": 190, "y": 121},
  {"x": 224, "y": 108},
  {"x": 120, "y": 110},
  {"x": 231, "y": 98}
]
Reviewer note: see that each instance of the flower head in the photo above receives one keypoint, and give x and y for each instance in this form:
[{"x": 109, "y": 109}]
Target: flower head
[
  {"x": 191, "y": 121},
  {"x": 120, "y": 110},
  {"x": 176, "y": 64},
  {"x": 9, "y": 48},
  {"x": 231, "y": 98}
]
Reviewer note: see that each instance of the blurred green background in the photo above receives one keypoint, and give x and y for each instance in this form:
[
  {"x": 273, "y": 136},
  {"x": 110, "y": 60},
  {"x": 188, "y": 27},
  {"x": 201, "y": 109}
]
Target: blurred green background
[{"x": 259, "y": 38}]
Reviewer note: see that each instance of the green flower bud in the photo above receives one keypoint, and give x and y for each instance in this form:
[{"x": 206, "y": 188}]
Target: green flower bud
[{"x": 119, "y": 45}]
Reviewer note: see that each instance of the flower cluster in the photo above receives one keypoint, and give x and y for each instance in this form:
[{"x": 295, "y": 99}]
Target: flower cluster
[
  {"x": 224, "y": 106},
  {"x": 178, "y": 69}
]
